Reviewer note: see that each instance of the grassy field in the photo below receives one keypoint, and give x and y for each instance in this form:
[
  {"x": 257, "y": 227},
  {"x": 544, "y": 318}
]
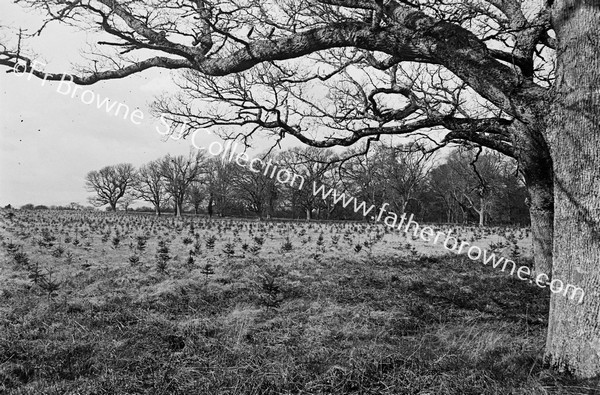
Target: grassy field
[{"x": 98, "y": 303}]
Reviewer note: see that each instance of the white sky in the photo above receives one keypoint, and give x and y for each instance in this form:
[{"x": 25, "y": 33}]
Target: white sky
[{"x": 49, "y": 141}]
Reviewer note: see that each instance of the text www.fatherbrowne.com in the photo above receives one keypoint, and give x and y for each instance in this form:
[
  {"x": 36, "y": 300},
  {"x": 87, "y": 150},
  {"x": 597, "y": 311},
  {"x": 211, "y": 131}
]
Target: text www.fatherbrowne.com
[{"x": 391, "y": 219}]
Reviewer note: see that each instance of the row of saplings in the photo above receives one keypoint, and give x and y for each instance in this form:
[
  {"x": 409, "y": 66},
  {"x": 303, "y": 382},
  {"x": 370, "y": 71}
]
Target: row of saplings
[{"x": 45, "y": 279}]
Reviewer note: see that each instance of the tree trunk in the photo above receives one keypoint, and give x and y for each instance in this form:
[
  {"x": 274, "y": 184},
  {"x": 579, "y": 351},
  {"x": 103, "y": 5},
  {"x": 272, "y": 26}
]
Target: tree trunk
[
  {"x": 533, "y": 155},
  {"x": 308, "y": 216},
  {"x": 157, "y": 211},
  {"x": 541, "y": 213},
  {"x": 573, "y": 342},
  {"x": 209, "y": 209},
  {"x": 178, "y": 201}
]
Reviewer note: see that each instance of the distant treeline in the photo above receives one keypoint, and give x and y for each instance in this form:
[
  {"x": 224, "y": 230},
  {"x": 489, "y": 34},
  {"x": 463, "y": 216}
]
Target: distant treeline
[
  {"x": 467, "y": 186},
  {"x": 71, "y": 206}
]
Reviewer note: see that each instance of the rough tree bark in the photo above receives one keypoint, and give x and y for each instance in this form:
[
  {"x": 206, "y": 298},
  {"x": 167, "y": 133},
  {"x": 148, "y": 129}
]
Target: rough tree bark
[
  {"x": 533, "y": 156},
  {"x": 573, "y": 342},
  {"x": 541, "y": 213}
]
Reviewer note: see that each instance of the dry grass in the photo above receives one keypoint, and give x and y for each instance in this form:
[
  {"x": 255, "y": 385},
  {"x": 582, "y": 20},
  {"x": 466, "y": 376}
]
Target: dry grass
[{"x": 314, "y": 320}]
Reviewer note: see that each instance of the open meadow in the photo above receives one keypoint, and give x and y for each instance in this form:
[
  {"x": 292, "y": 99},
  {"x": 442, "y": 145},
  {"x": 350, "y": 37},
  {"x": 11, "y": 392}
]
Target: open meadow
[{"x": 105, "y": 303}]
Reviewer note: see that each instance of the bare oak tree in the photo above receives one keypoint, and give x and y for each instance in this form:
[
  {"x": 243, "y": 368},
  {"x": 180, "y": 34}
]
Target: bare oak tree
[
  {"x": 150, "y": 185},
  {"x": 315, "y": 167},
  {"x": 196, "y": 195},
  {"x": 110, "y": 184},
  {"x": 180, "y": 173},
  {"x": 256, "y": 191},
  {"x": 404, "y": 172},
  {"x": 219, "y": 176},
  {"x": 476, "y": 179}
]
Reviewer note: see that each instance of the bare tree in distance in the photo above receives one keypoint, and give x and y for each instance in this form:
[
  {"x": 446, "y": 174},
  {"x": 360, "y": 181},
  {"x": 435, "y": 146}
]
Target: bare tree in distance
[
  {"x": 110, "y": 184},
  {"x": 180, "y": 173},
  {"x": 127, "y": 200},
  {"x": 257, "y": 192},
  {"x": 150, "y": 186},
  {"x": 361, "y": 175},
  {"x": 196, "y": 195},
  {"x": 314, "y": 165},
  {"x": 405, "y": 169},
  {"x": 220, "y": 174},
  {"x": 494, "y": 48},
  {"x": 444, "y": 186},
  {"x": 476, "y": 177}
]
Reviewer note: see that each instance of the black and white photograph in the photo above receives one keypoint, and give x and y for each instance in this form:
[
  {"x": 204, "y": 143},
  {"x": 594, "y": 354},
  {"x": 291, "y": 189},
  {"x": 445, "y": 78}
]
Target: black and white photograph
[{"x": 272, "y": 197}]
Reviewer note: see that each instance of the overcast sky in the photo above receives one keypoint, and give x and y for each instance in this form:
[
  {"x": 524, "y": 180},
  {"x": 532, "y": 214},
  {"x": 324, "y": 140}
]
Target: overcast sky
[{"x": 49, "y": 141}]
